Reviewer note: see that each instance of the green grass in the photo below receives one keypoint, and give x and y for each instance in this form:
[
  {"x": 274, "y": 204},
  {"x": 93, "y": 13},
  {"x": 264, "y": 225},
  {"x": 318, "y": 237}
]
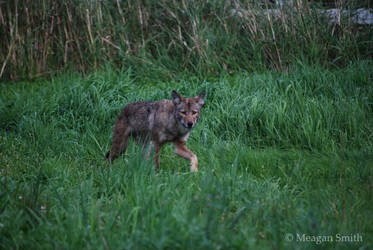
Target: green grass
[{"x": 279, "y": 153}]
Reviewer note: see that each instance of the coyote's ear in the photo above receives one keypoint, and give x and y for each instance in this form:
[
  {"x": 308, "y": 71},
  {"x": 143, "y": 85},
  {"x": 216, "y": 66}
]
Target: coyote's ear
[
  {"x": 176, "y": 97},
  {"x": 201, "y": 98}
]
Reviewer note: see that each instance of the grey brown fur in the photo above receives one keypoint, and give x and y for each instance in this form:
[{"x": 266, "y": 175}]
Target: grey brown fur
[{"x": 158, "y": 122}]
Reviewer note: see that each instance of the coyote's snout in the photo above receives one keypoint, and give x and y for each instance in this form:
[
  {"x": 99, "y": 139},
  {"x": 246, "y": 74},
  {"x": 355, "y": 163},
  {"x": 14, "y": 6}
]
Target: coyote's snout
[{"x": 158, "y": 122}]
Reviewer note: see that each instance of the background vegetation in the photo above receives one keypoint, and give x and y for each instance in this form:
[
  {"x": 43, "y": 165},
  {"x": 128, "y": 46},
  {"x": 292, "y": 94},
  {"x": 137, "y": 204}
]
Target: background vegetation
[
  {"x": 284, "y": 141},
  {"x": 203, "y": 37}
]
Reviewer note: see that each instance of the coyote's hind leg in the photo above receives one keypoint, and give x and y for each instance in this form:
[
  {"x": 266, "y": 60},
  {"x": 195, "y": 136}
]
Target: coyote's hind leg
[{"x": 145, "y": 143}]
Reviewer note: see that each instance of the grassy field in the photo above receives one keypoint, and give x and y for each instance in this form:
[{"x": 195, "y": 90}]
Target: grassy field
[{"x": 281, "y": 155}]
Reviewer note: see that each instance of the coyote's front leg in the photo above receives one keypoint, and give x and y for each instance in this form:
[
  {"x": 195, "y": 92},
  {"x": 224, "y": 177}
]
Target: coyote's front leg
[{"x": 183, "y": 151}]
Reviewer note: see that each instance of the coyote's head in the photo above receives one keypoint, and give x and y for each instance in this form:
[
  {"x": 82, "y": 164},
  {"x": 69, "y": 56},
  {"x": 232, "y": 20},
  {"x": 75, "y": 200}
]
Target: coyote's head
[{"x": 187, "y": 109}]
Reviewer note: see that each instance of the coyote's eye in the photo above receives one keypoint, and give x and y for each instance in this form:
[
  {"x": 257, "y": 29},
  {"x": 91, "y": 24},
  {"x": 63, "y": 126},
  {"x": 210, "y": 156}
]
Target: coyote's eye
[
  {"x": 183, "y": 112},
  {"x": 194, "y": 112}
]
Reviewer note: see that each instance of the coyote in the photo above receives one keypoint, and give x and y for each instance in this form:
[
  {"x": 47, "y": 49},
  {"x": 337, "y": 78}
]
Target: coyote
[{"x": 158, "y": 123}]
